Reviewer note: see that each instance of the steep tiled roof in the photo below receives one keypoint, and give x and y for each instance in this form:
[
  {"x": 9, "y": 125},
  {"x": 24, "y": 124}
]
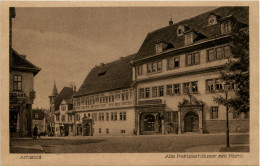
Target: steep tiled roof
[
  {"x": 198, "y": 24},
  {"x": 65, "y": 93},
  {"x": 19, "y": 62},
  {"x": 111, "y": 76}
]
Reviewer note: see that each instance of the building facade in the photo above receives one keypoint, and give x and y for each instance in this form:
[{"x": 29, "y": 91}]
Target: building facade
[
  {"x": 62, "y": 114},
  {"x": 177, "y": 75},
  {"x": 105, "y": 102},
  {"x": 21, "y": 89}
]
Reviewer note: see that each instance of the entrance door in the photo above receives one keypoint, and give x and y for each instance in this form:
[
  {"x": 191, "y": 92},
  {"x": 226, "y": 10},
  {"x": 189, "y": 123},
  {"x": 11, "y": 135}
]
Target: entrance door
[
  {"x": 191, "y": 122},
  {"x": 149, "y": 121},
  {"x": 86, "y": 131}
]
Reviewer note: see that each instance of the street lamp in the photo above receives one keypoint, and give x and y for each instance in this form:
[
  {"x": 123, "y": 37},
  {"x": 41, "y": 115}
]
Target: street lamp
[{"x": 226, "y": 89}]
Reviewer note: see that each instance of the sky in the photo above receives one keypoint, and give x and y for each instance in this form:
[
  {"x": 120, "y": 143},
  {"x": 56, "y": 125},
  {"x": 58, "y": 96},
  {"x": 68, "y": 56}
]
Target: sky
[{"x": 66, "y": 43}]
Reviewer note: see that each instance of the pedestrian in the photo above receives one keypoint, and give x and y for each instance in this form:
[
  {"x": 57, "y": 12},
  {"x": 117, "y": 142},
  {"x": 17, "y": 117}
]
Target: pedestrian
[{"x": 35, "y": 132}]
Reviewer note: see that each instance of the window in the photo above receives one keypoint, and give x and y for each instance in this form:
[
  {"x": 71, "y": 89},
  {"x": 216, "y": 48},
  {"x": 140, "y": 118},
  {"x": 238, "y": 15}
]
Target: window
[
  {"x": 194, "y": 87},
  {"x": 171, "y": 116},
  {"x": 36, "y": 116},
  {"x": 113, "y": 115},
  {"x": 154, "y": 67},
  {"x": 176, "y": 88},
  {"x": 154, "y": 91},
  {"x": 123, "y": 97},
  {"x": 212, "y": 20},
  {"x": 126, "y": 96},
  {"x": 17, "y": 83},
  {"x": 210, "y": 85},
  {"x": 57, "y": 117},
  {"x": 69, "y": 118},
  {"x": 173, "y": 63},
  {"x": 186, "y": 88},
  {"x": 101, "y": 116},
  {"x": 63, "y": 118},
  {"x": 226, "y": 27},
  {"x": 147, "y": 92},
  {"x": 94, "y": 116},
  {"x": 140, "y": 70},
  {"x": 168, "y": 90},
  {"x": 122, "y": 115},
  {"x": 122, "y": 131},
  {"x": 107, "y": 131},
  {"x": 77, "y": 117},
  {"x": 193, "y": 58},
  {"x": 159, "y": 47},
  {"x": 218, "y": 53},
  {"x": 219, "y": 84},
  {"x": 214, "y": 113},
  {"x": 99, "y": 130},
  {"x": 107, "y": 116},
  {"x": 82, "y": 101},
  {"x": 97, "y": 99},
  {"x": 227, "y": 51},
  {"x": 149, "y": 68},
  {"x": 161, "y": 91},
  {"x": 141, "y": 93},
  {"x": 188, "y": 38}
]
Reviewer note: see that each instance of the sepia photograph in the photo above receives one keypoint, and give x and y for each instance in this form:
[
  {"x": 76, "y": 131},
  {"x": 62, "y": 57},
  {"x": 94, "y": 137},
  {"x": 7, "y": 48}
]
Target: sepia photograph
[{"x": 172, "y": 80}]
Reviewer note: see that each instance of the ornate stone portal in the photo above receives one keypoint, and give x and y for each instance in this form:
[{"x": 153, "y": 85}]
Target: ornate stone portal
[{"x": 190, "y": 115}]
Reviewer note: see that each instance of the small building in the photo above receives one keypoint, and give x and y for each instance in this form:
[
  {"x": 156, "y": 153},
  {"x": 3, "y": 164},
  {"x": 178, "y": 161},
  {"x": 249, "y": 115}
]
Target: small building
[
  {"x": 62, "y": 111},
  {"x": 39, "y": 118},
  {"x": 105, "y": 102},
  {"x": 21, "y": 91}
]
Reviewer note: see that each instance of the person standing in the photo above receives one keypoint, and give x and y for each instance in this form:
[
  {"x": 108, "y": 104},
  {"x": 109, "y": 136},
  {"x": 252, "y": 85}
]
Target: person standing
[{"x": 35, "y": 132}]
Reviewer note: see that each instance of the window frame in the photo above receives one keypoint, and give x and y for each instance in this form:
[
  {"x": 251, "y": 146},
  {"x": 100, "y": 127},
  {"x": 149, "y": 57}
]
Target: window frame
[
  {"x": 159, "y": 91},
  {"x": 141, "y": 94},
  {"x": 212, "y": 110},
  {"x": 153, "y": 65},
  {"x": 223, "y": 56},
  {"x": 16, "y": 83},
  {"x": 193, "y": 59},
  {"x": 140, "y": 70},
  {"x": 173, "y": 59}
]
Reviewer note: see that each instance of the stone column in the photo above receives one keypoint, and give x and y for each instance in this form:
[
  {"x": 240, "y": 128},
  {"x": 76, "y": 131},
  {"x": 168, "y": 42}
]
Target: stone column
[
  {"x": 200, "y": 122},
  {"x": 179, "y": 121},
  {"x": 162, "y": 126}
]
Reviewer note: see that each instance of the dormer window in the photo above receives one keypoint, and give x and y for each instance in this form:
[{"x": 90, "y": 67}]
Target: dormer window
[
  {"x": 161, "y": 45},
  {"x": 188, "y": 38},
  {"x": 212, "y": 19},
  {"x": 36, "y": 116},
  {"x": 181, "y": 29},
  {"x": 226, "y": 27}
]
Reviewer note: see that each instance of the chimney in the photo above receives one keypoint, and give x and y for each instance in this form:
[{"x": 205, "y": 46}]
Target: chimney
[{"x": 171, "y": 22}]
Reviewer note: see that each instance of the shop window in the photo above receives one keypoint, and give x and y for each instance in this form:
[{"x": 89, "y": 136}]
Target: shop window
[
  {"x": 154, "y": 91},
  {"x": 214, "y": 113},
  {"x": 17, "y": 83},
  {"x": 122, "y": 115}
]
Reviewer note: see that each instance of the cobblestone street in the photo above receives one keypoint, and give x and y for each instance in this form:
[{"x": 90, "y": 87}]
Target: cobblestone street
[{"x": 131, "y": 144}]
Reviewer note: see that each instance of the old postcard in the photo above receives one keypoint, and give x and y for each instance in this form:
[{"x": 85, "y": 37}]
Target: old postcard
[{"x": 130, "y": 83}]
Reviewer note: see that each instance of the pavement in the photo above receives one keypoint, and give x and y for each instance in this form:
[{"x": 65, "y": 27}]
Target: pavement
[{"x": 188, "y": 142}]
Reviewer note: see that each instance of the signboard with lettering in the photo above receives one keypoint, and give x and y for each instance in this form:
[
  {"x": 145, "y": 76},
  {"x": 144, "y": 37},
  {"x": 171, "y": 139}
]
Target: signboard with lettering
[{"x": 14, "y": 96}]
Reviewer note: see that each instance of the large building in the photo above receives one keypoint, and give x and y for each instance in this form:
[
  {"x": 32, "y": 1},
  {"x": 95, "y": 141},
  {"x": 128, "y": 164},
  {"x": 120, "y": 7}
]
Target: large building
[
  {"x": 168, "y": 86},
  {"x": 21, "y": 90},
  {"x": 105, "y": 102},
  {"x": 61, "y": 106},
  {"x": 177, "y": 74}
]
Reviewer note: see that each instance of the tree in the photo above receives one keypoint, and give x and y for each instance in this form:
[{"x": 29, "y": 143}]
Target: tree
[{"x": 237, "y": 71}]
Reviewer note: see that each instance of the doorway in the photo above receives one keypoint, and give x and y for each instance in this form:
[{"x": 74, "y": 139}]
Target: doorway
[
  {"x": 149, "y": 121},
  {"x": 191, "y": 122}
]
